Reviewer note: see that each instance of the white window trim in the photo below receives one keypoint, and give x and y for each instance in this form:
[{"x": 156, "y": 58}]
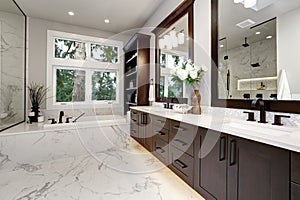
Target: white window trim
[{"x": 93, "y": 65}]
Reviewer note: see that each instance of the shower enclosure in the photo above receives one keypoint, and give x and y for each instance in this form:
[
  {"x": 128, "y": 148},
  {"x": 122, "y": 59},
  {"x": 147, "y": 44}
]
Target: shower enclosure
[{"x": 12, "y": 64}]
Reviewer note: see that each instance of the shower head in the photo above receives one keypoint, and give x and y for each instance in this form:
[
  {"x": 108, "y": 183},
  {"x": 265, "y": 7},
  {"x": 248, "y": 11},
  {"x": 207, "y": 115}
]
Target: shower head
[{"x": 246, "y": 43}]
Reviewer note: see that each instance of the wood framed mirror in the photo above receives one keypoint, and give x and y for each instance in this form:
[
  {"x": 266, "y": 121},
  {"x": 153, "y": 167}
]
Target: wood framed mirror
[
  {"x": 239, "y": 39},
  {"x": 181, "y": 23}
]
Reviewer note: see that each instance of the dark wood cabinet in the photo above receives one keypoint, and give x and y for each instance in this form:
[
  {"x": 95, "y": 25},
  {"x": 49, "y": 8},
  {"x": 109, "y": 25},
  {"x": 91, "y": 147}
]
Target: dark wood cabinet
[
  {"x": 217, "y": 165},
  {"x": 136, "y": 71},
  {"x": 295, "y": 176},
  {"x": 234, "y": 168},
  {"x": 256, "y": 171},
  {"x": 211, "y": 164}
]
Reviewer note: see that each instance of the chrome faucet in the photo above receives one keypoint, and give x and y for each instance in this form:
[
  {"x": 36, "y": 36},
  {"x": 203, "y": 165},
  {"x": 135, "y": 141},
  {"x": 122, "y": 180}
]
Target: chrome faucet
[
  {"x": 61, "y": 114},
  {"x": 262, "y": 109}
]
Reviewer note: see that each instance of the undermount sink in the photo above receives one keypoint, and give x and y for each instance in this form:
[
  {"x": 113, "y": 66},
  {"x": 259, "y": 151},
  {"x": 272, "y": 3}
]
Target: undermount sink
[{"x": 266, "y": 129}]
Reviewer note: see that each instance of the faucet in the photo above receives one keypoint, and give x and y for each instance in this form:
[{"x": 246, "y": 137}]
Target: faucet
[
  {"x": 61, "y": 114},
  {"x": 262, "y": 109},
  {"x": 78, "y": 117}
]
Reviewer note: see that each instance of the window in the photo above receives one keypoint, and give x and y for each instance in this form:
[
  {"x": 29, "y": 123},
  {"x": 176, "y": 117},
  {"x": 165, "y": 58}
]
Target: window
[
  {"x": 168, "y": 63},
  {"x": 83, "y": 70}
]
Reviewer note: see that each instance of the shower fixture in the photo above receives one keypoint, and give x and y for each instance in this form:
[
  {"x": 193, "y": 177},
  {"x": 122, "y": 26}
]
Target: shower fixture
[{"x": 246, "y": 43}]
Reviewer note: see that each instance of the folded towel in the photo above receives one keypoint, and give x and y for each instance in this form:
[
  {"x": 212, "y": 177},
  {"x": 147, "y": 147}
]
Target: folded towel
[
  {"x": 151, "y": 93},
  {"x": 284, "y": 92}
]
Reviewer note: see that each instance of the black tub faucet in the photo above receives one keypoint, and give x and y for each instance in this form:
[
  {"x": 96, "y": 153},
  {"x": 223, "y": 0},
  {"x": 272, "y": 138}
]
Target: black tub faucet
[
  {"x": 262, "y": 109},
  {"x": 61, "y": 114}
]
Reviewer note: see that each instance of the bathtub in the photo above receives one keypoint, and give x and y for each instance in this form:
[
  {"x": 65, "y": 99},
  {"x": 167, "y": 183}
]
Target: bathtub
[{"x": 39, "y": 143}]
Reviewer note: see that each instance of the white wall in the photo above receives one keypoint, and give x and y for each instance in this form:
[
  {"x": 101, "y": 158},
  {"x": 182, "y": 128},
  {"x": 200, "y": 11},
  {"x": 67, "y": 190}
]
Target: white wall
[
  {"x": 288, "y": 32},
  {"x": 202, "y": 35}
]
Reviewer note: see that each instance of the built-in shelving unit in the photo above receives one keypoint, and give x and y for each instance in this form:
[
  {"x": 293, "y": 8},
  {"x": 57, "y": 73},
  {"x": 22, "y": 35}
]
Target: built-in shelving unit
[{"x": 136, "y": 69}]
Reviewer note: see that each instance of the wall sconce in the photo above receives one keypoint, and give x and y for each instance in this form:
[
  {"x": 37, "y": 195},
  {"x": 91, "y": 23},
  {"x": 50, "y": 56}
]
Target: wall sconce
[
  {"x": 247, "y": 3},
  {"x": 171, "y": 40}
]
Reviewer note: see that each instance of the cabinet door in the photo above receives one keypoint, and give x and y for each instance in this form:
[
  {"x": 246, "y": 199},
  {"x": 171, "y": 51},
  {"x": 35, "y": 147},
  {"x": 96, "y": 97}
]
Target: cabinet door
[
  {"x": 211, "y": 158},
  {"x": 257, "y": 171},
  {"x": 148, "y": 133},
  {"x": 134, "y": 129}
]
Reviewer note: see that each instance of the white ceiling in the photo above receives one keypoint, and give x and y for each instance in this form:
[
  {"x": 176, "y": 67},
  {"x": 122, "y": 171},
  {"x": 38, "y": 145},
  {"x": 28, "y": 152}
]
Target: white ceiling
[
  {"x": 230, "y": 14},
  {"x": 123, "y": 14}
]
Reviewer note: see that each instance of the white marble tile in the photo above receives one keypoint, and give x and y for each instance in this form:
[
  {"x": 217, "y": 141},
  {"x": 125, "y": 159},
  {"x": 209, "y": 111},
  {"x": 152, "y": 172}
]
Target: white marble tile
[{"x": 85, "y": 177}]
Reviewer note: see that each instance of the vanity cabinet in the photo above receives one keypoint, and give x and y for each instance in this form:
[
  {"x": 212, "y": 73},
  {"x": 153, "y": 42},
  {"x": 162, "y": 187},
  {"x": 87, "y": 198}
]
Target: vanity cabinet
[
  {"x": 181, "y": 142},
  {"x": 217, "y": 165},
  {"x": 256, "y": 171},
  {"x": 141, "y": 129},
  {"x": 211, "y": 164},
  {"x": 295, "y": 176},
  {"x": 237, "y": 168}
]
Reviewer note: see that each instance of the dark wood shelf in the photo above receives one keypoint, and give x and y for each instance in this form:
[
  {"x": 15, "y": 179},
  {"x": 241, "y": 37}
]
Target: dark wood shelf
[{"x": 137, "y": 61}]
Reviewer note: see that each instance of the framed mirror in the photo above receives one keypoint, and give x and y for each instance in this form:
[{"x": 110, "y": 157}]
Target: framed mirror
[
  {"x": 254, "y": 53},
  {"x": 12, "y": 64},
  {"x": 174, "y": 45}
]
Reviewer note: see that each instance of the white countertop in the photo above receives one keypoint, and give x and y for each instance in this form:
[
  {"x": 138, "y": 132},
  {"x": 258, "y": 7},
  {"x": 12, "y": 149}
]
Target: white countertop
[{"x": 280, "y": 136}]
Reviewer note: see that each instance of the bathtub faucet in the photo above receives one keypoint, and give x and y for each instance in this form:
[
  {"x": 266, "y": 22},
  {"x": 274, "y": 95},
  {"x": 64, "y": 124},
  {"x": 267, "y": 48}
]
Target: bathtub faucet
[
  {"x": 61, "y": 114},
  {"x": 78, "y": 117}
]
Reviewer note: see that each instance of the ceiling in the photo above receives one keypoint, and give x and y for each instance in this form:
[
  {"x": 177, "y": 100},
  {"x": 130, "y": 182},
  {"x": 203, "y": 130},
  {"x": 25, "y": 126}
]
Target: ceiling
[
  {"x": 123, "y": 14},
  {"x": 9, "y": 6},
  {"x": 230, "y": 14}
]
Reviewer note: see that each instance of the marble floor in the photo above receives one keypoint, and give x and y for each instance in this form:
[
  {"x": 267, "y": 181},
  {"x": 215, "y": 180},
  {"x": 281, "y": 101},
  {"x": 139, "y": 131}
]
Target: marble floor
[{"x": 118, "y": 173}]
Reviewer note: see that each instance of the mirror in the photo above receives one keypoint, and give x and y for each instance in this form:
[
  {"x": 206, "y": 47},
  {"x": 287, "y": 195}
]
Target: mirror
[
  {"x": 12, "y": 64},
  {"x": 231, "y": 87},
  {"x": 174, "y": 45}
]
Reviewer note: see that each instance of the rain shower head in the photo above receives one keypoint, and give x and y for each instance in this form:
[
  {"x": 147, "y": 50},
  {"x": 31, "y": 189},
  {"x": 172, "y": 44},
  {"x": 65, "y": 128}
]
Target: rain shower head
[{"x": 246, "y": 43}]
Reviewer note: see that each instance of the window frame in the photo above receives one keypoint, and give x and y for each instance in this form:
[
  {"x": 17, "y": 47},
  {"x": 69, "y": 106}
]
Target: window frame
[
  {"x": 166, "y": 71},
  {"x": 89, "y": 65}
]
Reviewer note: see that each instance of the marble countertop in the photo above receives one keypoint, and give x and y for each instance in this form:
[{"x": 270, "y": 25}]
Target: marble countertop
[{"x": 286, "y": 137}]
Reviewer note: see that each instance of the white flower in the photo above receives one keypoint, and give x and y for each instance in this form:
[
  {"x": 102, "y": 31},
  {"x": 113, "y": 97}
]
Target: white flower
[
  {"x": 194, "y": 74},
  {"x": 182, "y": 74},
  {"x": 189, "y": 67},
  {"x": 196, "y": 67}
]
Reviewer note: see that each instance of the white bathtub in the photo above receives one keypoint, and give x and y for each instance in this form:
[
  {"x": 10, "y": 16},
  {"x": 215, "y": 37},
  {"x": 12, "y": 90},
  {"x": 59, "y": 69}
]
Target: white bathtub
[{"x": 57, "y": 141}]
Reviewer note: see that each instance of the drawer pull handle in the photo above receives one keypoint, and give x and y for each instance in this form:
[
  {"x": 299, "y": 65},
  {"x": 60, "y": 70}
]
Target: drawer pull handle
[
  {"x": 160, "y": 133},
  {"x": 133, "y": 131},
  {"x": 134, "y": 120},
  {"x": 222, "y": 149},
  {"x": 232, "y": 159},
  {"x": 178, "y": 128},
  {"x": 181, "y": 164},
  {"x": 160, "y": 121},
  {"x": 161, "y": 150},
  {"x": 181, "y": 142}
]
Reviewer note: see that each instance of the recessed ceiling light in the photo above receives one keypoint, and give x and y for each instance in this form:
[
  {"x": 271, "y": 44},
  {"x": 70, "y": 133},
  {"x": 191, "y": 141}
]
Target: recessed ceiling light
[
  {"x": 258, "y": 33},
  {"x": 269, "y": 37},
  {"x": 221, "y": 45},
  {"x": 71, "y": 13},
  {"x": 106, "y": 21}
]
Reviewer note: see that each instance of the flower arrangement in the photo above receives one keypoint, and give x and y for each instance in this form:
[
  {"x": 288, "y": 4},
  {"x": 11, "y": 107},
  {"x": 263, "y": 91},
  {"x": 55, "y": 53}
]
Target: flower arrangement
[{"x": 189, "y": 73}]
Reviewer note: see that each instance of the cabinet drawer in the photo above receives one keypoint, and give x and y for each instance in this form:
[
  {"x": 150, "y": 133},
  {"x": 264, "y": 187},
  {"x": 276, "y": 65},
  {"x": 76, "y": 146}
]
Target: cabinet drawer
[
  {"x": 182, "y": 136},
  {"x": 134, "y": 130},
  {"x": 182, "y": 164},
  {"x": 295, "y": 167},
  {"x": 295, "y": 191},
  {"x": 161, "y": 150},
  {"x": 161, "y": 133},
  {"x": 160, "y": 122},
  {"x": 134, "y": 117}
]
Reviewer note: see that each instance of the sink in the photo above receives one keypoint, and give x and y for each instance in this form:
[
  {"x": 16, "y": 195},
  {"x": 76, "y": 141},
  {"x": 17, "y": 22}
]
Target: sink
[{"x": 266, "y": 129}]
